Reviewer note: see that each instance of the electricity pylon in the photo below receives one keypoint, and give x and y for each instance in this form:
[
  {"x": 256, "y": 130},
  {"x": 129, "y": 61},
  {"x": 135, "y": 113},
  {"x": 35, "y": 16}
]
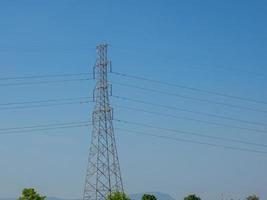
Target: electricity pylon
[{"x": 103, "y": 173}]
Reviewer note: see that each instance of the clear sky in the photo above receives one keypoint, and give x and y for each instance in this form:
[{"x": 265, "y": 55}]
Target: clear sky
[{"x": 212, "y": 45}]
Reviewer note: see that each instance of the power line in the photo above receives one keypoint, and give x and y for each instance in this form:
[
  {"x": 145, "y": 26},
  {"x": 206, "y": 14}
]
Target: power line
[
  {"x": 46, "y": 82},
  {"x": 45, "y": 129},
  {"x": 191, "y": 141},
  {"x": 191, "y": 133},
  {"x": 189, "y": 97},
  {"x": 141, "y": 133},
  {"x": 43, "y": 101},
  {"x": 189, "y": 88},
  {"x": 42, "y": 76},
  {"x": 192, "y": 119},
  {"x": 188, "y": 111},
  {"x": 138, "y": 78},
  {"x": 172, "y": 62},
  {"x": 127, "y": 108},
  {"x": 45, "y": 105},
  {"x": 42, "y": 126}
]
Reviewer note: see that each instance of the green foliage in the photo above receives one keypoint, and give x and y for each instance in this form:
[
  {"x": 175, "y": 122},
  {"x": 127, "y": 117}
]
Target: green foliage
[
  {"x": 148, "y": 197},
  {"x": 118, "y": 196},
  {"x": 192, "y": 197},
  {"x": 253, "y": 197},
  {"x": 30, "y": 194}
]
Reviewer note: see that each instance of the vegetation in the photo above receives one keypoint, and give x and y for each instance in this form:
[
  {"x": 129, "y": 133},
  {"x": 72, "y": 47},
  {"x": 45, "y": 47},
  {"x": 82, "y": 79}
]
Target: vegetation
[
  {"x": 30, "y": 194},
  {"x": 118, "y": 196},
  {"x": 253, "y": 197},
  {"x": 192, "y": 197},
  {"x": 148, "y": 197}
]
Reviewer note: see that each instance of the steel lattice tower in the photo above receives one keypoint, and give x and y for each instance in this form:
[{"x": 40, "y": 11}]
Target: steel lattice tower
[{"x": 103, "y": 173}]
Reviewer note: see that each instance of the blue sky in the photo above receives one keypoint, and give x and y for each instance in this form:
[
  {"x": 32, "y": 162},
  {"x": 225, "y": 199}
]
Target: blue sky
[{"x": 213, "y": 45}]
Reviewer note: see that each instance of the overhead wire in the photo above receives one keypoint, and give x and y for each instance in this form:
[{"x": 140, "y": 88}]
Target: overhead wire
[
  {"x": 189, "y": 97},
  {"x": 186, "y": 110},
  {"x": 170, "y": 61},
  {"x": 191, "y": 141},
  {"x": 45, "y": 105},
  {"x": 42, "y": 76},
  {"x": 56, "y": 126},
  {"x": 46, "y": 127},
  {"x": 193, "y": 119},
  {"x": 45, "y": 82},
  {"x": 190, "y": 133},
  {"x": 43, "y": 127},
  {"x": 188, "y": 88},
  {"x": 43, "y": 101}
]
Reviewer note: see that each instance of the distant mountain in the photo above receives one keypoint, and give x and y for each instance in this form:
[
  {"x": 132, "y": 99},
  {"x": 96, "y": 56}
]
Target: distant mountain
[{"x": 159, "y": 195}]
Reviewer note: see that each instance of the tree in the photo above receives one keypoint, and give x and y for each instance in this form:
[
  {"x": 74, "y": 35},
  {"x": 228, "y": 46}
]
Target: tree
[
  {"x": 192, "y": 197},
  {"x": 30, "y": 194},
  {"x": 118, "y": 196},
  {"x": 148, "y": 197},
  {"x": 253, "y": 197}
]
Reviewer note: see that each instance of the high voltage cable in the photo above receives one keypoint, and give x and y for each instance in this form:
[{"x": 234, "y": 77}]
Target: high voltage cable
[
  {"x": 42, "y": 125},
  {"x": 186, "y": 110},
  {"x": 139, "y": 78},
  {"x": 42, "y": 76},
  {"x": 192, "y": 119},
  {"x": 43, "y": 101},
  {"x": 44, "y": 129},
  {"x": 206, "y": 68},
  {"x": 191, "y": 133},
  {"x": 189, "y": 97},
  {"x": 191, "y": 141},
  {"x": 45, "y": 82},
  {"x": 48, "y": 127},
  {"x": 45, "y": 105},
  {"x": 189, "y": 88},
  {"x": 135, "y": 109},
  {"x": 117, "y": 97}
]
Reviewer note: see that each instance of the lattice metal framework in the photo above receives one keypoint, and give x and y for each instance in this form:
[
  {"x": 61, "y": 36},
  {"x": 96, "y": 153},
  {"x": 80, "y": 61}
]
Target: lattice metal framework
[{"x": 103, "y": 173}]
